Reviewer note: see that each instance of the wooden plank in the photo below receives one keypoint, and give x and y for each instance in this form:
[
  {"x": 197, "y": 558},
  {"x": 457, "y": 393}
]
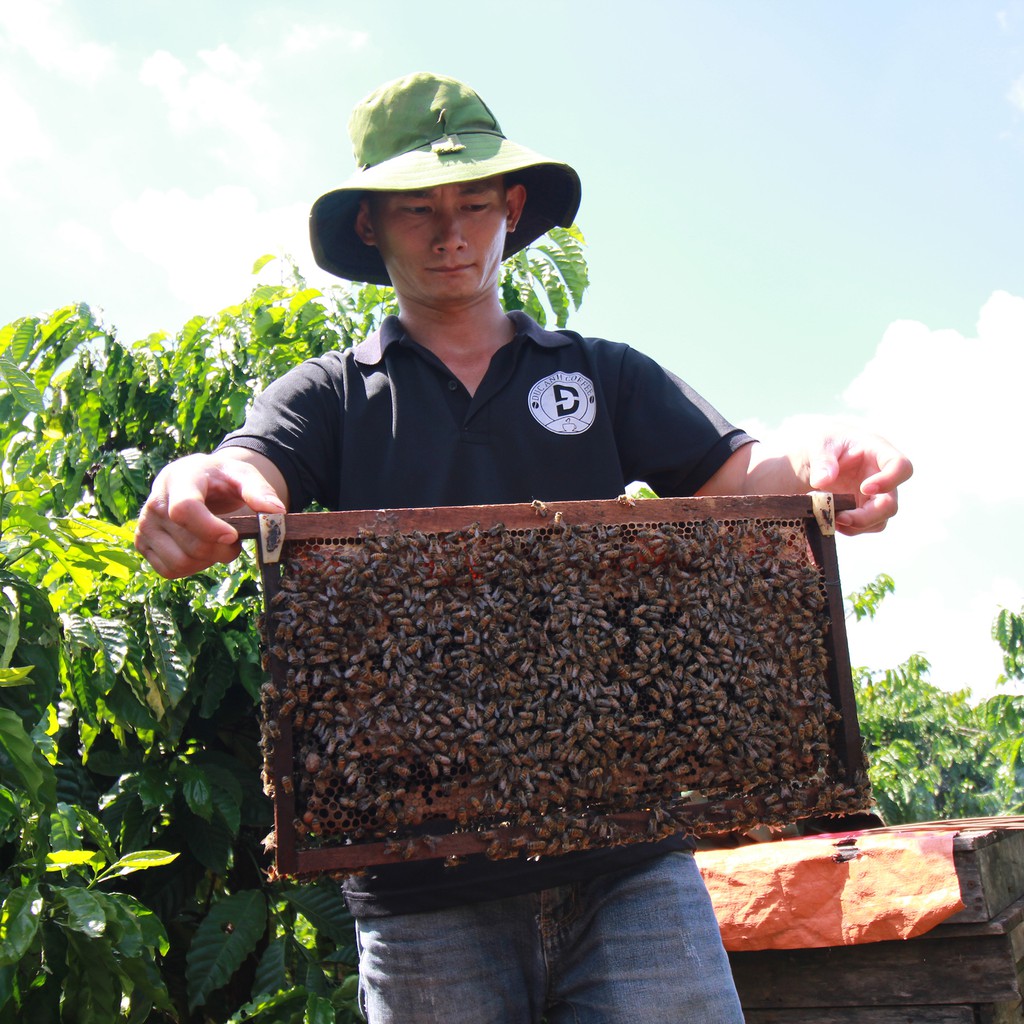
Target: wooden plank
[
  {"x": 309, "y": 525},
  {"x": 989, "y": 857},
  {"x": 1000, "y": 1013},
  {"x": 913, "y": 973},
  {"x": 461, "y": 844},
  {"x": 988, "y": 1013},
  {"x": 1009, "y": 921},
  {"x": 990, "y": 866},
  {"x": 840, "y": 673},
  {"x": 868, "y": 1015}
]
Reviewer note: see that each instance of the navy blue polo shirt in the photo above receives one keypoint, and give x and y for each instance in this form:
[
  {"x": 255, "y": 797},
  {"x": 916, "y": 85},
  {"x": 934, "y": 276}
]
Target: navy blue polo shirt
[{"x": 557, "y": 417}]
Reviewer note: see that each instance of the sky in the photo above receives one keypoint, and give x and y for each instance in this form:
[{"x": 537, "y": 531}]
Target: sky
[{"x": 810, "y": 211}]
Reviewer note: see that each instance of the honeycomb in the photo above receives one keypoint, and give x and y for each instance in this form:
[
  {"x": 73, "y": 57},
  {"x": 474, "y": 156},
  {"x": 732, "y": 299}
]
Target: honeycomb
[{"x": 549, "y": 689}]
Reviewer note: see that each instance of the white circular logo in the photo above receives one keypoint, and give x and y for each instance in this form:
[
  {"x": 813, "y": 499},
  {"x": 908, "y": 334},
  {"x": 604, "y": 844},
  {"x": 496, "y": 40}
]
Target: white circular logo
[{"x": 564, "y": 403}]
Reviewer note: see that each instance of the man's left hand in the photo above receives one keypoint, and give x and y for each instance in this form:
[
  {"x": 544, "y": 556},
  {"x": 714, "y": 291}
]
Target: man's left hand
[
  {"x": 868, "y": 467},
  {"x": 837, "y": 460}
]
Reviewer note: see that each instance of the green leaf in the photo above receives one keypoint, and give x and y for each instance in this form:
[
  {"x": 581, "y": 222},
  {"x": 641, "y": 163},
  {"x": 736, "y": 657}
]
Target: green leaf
[
  {"x": 11, "y": 627},
  {"x": 349, "y": 988},
  {"x": 8, "y": 808},
  {"x": 132, "y": 927},
  {"x": 115, "y": 636},
  {"x": 225, "y": 794},
  {"x": 148, "y": 990},
  {"x": 196, "y": 790},
  {"x": 37, "y": 623},
  {"x": 166, "y": 645},
  {"x": 276, "y": 1008},
  {"x": 318, "y": 1010},
  {"x": 303, "y": 297},
  {"x": 15, "y": 676},
  {"x": 155, "y": 787},
  {"x": 19, "y": 384},
  {"x": 28, "y": 765},
  {"x": 1001, "y": 628},
  {"x": 92, "y": 676},
  {"x": 22, "y": 341},
  {"x": 94, "y": 827},
  {"x": 211, "y": 843},
  {"x": 19, "y": 922},
  {"x": 225, "y": 937},
  {"x": 89, "y": 418},
  {"x": 324, "y": 907},
  {"x": 567, "y": 255},
  {"x": 271, "y": 973},
  {"x": 262, "y": 262},
  {"x": 132, "y": 822},
  {"x": 865, "y": 603},
  {"x": 107, "y": 546},
  {"x": 92, "y": 986},
  {"x": 61, "y": 860},
  {"x": 1008, "y": 632},
  {"x": 64, "y": 829},
  {"x": 264, "y": 293},
  {"x": 138, "y": 861},
  {"x": 192, "y": 334},
  {"x": 85, "y": 911}
]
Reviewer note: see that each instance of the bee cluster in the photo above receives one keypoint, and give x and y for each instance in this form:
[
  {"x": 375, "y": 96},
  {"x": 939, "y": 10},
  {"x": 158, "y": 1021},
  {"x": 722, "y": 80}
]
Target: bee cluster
[{"x": 543, "y": 687}]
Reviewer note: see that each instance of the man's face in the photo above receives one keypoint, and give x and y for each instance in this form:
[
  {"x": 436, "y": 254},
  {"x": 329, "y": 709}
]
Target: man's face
[{"x": 443, "y": 246}]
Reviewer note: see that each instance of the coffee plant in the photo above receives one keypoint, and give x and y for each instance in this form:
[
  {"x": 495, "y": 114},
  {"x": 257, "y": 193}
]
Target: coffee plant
[{"x": 133, "y": 875}]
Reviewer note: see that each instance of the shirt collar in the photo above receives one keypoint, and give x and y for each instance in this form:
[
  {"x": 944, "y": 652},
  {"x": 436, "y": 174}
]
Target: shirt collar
[{"x": 371, "y": 351}]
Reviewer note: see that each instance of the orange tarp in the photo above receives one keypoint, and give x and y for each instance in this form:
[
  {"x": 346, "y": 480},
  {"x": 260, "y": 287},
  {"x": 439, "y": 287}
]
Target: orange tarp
[{"x": 832, "y": 890}]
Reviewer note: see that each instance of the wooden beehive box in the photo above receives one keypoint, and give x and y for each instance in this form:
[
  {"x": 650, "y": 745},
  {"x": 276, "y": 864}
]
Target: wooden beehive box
[
  {"x": 540, "y": 678},
  {"x": 968, "y": 970}
]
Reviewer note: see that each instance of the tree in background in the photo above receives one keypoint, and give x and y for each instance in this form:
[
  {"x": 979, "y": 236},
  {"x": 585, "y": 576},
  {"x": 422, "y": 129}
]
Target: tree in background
[
  {"x": 133, "y": 877},
  {"x": 935, "y": 754}
]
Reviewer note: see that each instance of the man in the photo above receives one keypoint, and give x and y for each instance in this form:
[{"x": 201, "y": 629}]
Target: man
[{"x": 455, "y": 403}]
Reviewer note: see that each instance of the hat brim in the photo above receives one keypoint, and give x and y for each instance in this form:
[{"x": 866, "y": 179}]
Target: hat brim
[{"x": 552, "y": 198}]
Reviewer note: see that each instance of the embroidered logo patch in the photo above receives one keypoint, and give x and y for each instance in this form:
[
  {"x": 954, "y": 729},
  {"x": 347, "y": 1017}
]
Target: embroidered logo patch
[{"x": 564, "y": 403}]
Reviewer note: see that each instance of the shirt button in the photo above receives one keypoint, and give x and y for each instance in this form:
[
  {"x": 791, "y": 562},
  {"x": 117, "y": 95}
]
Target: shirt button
[{"x": 453, "y": 385}]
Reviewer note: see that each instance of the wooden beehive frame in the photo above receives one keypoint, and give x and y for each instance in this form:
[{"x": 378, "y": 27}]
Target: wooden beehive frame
[{"x": 773, "y": 539}]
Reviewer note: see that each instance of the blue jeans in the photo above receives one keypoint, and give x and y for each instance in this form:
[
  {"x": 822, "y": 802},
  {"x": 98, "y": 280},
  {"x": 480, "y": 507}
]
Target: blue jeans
[{"x": 639, "y": 946}]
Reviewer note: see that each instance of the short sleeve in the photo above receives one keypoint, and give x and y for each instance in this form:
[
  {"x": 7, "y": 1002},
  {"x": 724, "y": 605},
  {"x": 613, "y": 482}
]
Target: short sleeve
[
  {"x": 669, "y": 436},
  {"x": 298, "y": 423}
]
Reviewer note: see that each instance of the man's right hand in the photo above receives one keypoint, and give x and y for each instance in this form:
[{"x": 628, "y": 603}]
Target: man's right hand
[{"x": 179, "y": 532}]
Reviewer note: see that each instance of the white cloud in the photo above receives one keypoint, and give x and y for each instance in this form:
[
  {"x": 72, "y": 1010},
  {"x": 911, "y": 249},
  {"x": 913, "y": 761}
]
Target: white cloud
[
  {"x": 1016, "y": 93},
  {"x": 955, "y": 636},
  {"x": 305, "y": 38},
  {"x": 79, "y": 242},
  {"x": 1009, "y": 16},
  {"x": 25, "y": 139},
  {"x": 952, "y": 403},
  {"x": 166, "y": 74},
  {"x": 218, "y": 96},
  {"x": 41, "y": 28},
  {"x": 206, "y": 246}
]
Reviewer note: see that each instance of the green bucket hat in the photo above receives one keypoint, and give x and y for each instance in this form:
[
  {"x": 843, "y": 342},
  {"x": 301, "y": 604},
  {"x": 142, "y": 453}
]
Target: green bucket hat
[{"x": 419, "y": 132}]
